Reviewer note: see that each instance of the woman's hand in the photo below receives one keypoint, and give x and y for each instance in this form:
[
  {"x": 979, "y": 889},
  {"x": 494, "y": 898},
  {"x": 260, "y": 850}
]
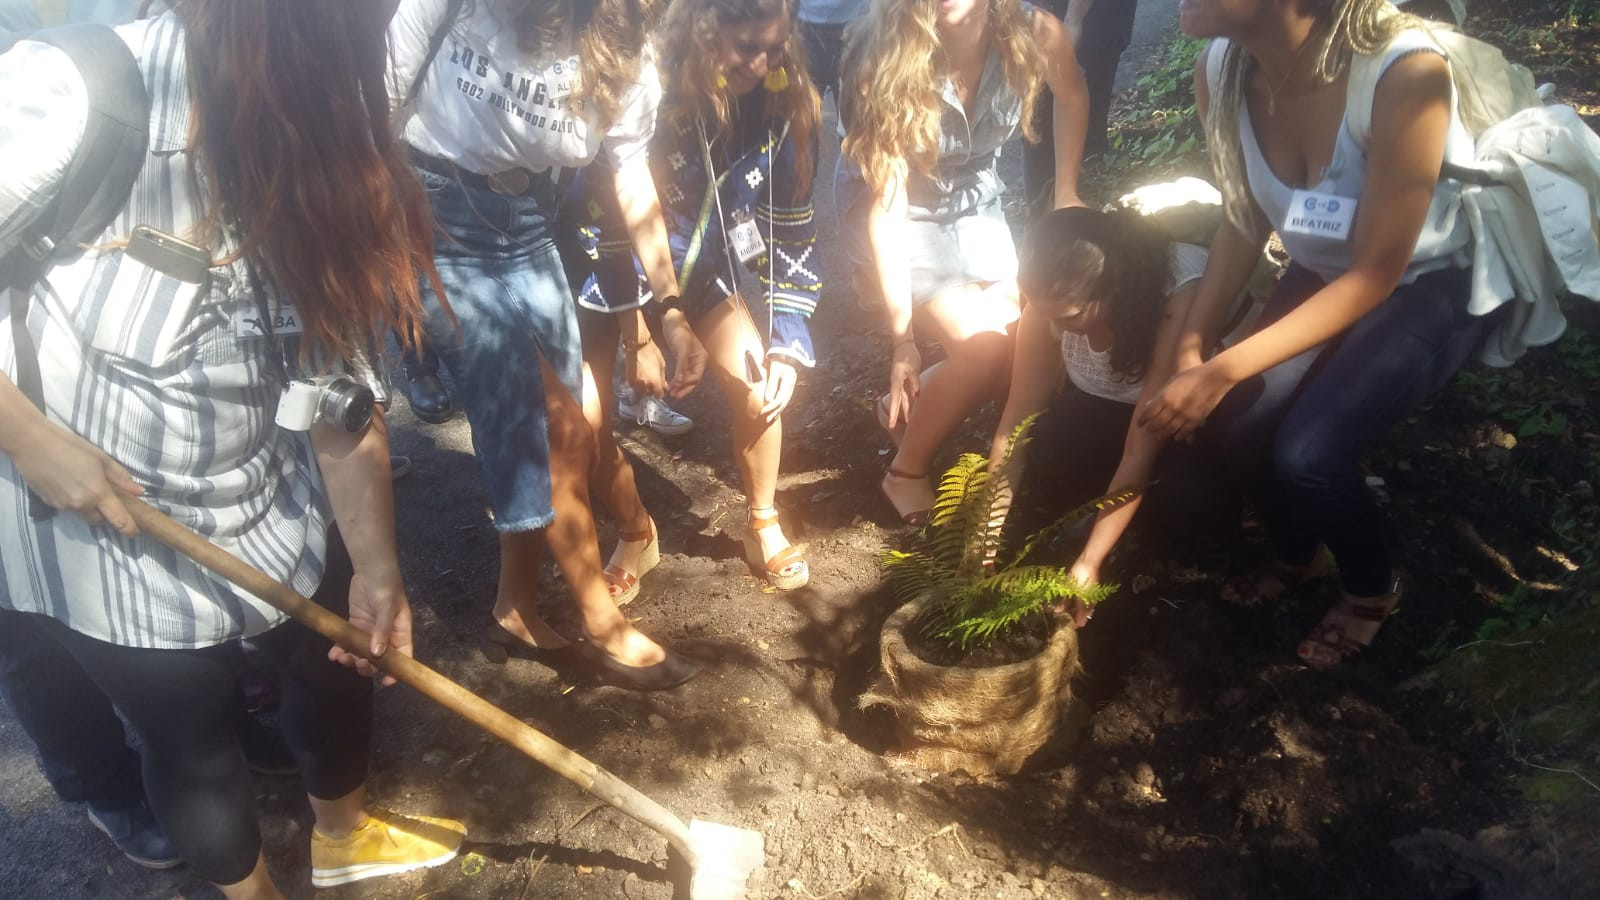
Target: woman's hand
[
  {"x": 378, "y": 606},
  {"x": 780, "y": 383},
  {"x": 1087, "y": 575},
  {"x": 688, "y": 352},
  {"x": 646, "y": 368},
  {"x": 68, "y": 472},
  {"x": 905, "y": 380},
  {"x": 1183, "y": 405}
]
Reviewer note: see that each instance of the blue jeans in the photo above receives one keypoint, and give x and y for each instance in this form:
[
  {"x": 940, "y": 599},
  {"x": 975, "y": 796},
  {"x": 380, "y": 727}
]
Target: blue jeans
[
  {"x": 503, "y": 278},
  {"x": 1291, "y": 438}
]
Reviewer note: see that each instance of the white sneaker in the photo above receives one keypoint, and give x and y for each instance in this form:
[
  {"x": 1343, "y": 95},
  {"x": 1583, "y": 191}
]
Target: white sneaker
[{"x": 653, "y": 412}]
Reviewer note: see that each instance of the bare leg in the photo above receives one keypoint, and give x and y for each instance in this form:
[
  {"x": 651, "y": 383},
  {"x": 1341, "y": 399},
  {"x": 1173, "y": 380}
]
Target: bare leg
[
  {"x": 572, "y": 537},
  {"x": 612, "y": 479},
  {"x": 731, "y": 339},
  {"x": 971, "y": 323}
]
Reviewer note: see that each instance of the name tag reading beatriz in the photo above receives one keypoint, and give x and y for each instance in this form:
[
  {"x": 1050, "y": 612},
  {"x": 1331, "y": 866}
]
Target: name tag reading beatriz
[{"x": 1320, "y": 215}]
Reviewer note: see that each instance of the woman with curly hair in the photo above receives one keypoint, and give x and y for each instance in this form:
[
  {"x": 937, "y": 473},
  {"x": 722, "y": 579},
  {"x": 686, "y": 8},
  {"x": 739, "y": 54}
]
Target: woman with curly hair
[
  {"x": 733, "y": 157},
  {"x": 497, "y": 97},
  {"x": 1371, "y": 316},
  {"x": 1097, "y": 336},
  {"x": 932, "y": 90},
  {"x": 272, "y": 189}
]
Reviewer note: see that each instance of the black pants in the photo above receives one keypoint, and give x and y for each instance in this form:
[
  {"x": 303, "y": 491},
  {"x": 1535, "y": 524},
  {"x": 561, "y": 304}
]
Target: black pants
[
  {"x": 181, "y": 703},
  {"x": 1076, "y": 448}
]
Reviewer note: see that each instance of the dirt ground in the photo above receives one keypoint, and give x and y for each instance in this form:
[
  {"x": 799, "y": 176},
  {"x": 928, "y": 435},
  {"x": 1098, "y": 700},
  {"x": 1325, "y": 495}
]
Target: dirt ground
[{"x": 1197, "y": 759}]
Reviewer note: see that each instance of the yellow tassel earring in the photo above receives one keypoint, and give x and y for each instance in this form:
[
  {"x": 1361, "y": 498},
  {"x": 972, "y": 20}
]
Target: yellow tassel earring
[
  {"x": 722, "y": 81},
  {"x": 777, "y": 80}
]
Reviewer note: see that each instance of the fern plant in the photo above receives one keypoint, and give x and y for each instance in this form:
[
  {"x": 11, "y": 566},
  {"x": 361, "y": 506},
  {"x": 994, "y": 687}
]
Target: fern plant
[{"x": 975, "y": 595}]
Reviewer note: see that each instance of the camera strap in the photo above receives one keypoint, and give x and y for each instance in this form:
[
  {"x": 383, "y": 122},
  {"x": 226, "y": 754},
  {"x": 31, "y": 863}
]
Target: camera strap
[{"x": 771, "y": 151}]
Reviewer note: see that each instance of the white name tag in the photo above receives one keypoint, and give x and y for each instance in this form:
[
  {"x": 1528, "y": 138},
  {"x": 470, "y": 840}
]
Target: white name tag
[
  {"x": 247, "y": 321},
  {"x": 745, "y": 237},
  {"x": 561, "y": 78},
  {"x": 1319, "y": 214}
]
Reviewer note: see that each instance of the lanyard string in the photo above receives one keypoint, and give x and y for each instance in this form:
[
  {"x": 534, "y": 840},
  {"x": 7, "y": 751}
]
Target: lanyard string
[{"x": 722, "y": 220}]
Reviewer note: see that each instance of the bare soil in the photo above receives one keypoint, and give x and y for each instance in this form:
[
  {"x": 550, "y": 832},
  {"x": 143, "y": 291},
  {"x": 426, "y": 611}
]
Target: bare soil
[{"x": 1198, "y": 758}]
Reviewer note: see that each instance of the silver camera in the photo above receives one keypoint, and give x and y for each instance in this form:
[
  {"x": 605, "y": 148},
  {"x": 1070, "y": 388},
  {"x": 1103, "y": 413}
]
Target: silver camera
[{"x": 331, "y": 399}]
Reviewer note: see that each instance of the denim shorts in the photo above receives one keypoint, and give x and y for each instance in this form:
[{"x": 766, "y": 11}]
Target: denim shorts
[
  {"x": 966, "y": 241},
  {"x": 503, "y": 277}
]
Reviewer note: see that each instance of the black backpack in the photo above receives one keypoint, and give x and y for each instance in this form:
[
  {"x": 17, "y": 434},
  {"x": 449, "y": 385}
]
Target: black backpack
[{"x": 96, "y": 186}]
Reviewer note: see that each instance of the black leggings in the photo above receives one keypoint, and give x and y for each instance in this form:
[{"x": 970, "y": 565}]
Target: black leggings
[{"x": 181, "y": 703}]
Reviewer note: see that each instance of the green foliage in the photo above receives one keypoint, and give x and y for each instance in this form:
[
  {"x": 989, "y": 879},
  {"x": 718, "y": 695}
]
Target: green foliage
[
  {"x": 976, "y": 594},
  {"x": 1160, "y": 127}
]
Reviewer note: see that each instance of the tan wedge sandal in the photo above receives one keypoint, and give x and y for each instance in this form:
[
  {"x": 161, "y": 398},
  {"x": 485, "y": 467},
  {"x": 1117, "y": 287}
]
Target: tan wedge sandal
[
  {"x": 623, "y": 584},
  {"x": 787, "y": 569}
]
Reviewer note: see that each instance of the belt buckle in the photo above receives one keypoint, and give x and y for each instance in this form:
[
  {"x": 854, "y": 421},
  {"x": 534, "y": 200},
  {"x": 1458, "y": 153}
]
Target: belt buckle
[{"x": 511, "y": 182}]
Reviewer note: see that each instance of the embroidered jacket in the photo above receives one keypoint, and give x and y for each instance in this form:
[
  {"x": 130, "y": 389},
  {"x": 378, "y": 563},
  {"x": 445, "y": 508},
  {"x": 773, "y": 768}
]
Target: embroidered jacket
[{"x": 756, "y": 178}]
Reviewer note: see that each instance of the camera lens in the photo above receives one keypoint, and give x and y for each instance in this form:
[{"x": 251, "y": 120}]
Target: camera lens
[{"x": 347, "y": 405}]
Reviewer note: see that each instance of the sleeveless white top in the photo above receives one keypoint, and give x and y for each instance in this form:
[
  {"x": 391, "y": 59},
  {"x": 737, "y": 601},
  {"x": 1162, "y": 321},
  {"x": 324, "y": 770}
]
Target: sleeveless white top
[
  {"x": 1090, "y": 370},
  {"x": 1444, "y": 241}
]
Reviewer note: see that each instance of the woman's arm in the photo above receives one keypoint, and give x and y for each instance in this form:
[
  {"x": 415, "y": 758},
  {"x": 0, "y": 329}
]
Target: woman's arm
[
  {"x": 355, "y": 470},
  {"x": 66, "y": 471},
  {"x": 1233, "y": 256},
  {"x": 887, "y": 234},
  {"x": 1411, "y": 117},
  {"x": 1141, "y": 448},
  {"x": 641, "y": 212},
  {"x": 1036, "y": 372},
  {"x": 1071, "y": 99}
]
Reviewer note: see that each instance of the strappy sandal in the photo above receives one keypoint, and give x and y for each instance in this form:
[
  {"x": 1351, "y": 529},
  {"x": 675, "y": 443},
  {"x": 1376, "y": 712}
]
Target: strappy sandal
[
  {"x": 915, "y": 518},
  {"x": 898, "y": 432},
  {"x": 623, "y": 584},
  {"x": 1265, "y": 586},
  {"x": 1331, "y": 642},
  {"x": 786, "y": 570}
]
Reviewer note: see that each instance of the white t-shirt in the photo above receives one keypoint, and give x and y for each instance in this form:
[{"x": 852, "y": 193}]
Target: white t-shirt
[
  {"x": 1090, "y": 369},
  {"x": 488, "y": 106}
]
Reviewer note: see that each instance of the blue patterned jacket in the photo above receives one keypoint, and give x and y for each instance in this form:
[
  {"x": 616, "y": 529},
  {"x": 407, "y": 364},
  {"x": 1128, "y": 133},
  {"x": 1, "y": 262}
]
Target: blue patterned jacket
[{"x": 756, "y": 176}]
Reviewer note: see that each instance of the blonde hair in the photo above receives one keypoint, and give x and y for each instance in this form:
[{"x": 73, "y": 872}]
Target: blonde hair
[
  {"x": 894, "y": 67},
  {"x": 1344, "y": 27},
  {"x": 611, "y": 40},
  {"x": 689, "y": 49}
]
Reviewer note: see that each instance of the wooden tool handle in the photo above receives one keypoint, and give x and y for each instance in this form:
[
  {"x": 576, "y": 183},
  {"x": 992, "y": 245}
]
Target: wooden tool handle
[{"x": 442, "y": 690}]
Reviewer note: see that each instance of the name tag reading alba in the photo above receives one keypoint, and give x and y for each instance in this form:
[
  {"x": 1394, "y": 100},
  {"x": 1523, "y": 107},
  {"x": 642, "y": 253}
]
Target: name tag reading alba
[
  {"x": 561, "y": 78},
  {"x": 746, "y": 237},
  {"x": 1322, "y": 215},
  {"x": 247, "y": 321}
]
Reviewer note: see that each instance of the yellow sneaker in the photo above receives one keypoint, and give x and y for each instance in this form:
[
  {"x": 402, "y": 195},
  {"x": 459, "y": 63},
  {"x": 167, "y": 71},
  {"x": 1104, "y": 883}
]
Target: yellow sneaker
[{"x": 385, "y": 844}]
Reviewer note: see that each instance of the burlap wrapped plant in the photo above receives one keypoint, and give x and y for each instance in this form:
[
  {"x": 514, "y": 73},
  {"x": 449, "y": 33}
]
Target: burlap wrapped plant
[{"x": 960, "y": 592}]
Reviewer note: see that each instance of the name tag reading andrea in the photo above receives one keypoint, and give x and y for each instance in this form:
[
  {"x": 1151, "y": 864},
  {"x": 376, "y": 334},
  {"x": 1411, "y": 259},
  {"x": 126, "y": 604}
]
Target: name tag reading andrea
[
  {"x": 1322, "y": 215},
  {"x": 745, "y": 236},
  {"x": 285, "y": 320}
]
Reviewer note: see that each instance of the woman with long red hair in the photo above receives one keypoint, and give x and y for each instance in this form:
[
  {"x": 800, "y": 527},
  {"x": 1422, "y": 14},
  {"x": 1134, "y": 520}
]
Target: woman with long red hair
[{"x": 274, "y": 233}]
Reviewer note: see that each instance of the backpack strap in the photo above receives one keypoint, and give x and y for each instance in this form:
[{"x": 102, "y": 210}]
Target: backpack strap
[
  {"x": 93, "y": 190},
  {"x": 452, "y": 11}
]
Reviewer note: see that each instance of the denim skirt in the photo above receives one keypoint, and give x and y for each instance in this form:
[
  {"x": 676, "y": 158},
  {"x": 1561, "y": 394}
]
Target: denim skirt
[{"x": 503, "y": 278}]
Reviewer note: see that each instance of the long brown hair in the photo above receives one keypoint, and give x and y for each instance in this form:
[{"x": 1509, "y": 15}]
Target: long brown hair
[
  {"x": 689, "y": 51},
  {"x": 295, "y": 154},
  {"x": 612, "y": 35}
]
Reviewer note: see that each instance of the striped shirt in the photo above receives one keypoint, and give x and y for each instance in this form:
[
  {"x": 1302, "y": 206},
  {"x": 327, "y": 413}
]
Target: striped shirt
[{"x": 155, "y": 372}]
